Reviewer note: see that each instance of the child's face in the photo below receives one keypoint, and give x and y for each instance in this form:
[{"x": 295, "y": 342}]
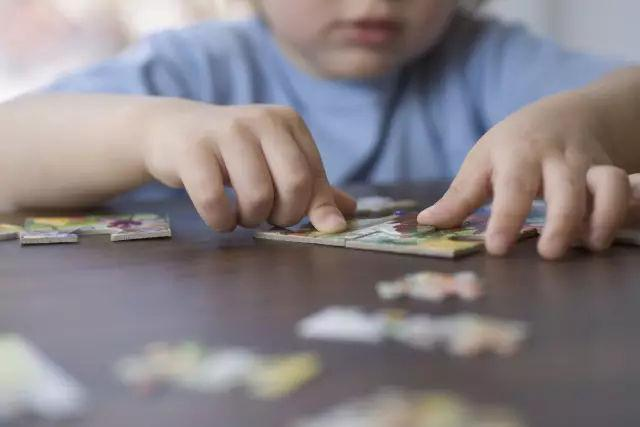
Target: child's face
[{"x": 356, "y": 38}]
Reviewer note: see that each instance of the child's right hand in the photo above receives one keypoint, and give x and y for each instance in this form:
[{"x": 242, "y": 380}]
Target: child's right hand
[{"x": 266, "y": 153}]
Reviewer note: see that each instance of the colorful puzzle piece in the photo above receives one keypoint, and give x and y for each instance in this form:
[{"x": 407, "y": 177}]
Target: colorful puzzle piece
[
  {"x": 193, "y": 367},
  {"x": 462, "y": 335},
  {"x": 391, "y": 407},
  {"x": 10, "y": 232},
  {"x": 307, "y": 234},
  {"x": 397, "y": 234},
  {"x": 432, "y": 286},
  {"x": 120, "y": 227},
  {"x": 28, "y": 238},
  {"x": 32, "y": 384}
]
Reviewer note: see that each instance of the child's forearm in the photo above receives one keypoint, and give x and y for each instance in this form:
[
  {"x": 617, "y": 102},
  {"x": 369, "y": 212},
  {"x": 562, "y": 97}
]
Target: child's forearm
[
  {"x": 70, "y": 150},
  {"x": 616, "y": 99}
]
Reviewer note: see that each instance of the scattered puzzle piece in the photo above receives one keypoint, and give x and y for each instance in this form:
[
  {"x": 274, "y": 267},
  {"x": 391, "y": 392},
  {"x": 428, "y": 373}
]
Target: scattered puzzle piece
[
  {"x": 279, "y": 376},
  {"x": 10, "y": 232},
  {"x": 432, "y": 286},
  {"x": 32, "y": 384},
  {"x": 397, "y": 408},
  {"x": 193, "y": 367},
  {"x": 463, "y": 335},
  {"x": 46, "y": 238}
]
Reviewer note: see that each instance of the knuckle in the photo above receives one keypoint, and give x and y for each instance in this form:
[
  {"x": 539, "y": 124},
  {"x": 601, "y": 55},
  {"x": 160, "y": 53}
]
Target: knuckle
[
  {"x": 297, "y": 184},
  {"x": 286, "y": 112},
  {"x": 212, "y": 209},
  {"x": 258, "y": 200},
  {"x": 211, "y": 203},
  {"x": 239, "y": 127}
]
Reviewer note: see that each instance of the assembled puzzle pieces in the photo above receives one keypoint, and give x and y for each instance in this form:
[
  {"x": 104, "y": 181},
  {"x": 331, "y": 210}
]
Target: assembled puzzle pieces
[
  {"x": 121, "y": 227},
  {"x": 398, "y": 233}
]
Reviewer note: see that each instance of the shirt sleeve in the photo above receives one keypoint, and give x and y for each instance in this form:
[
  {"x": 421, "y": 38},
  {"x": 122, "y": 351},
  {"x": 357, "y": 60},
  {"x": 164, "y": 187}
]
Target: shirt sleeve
[
  {"x": 508, "y": 68},
  {"x": 199, "y": 63}
]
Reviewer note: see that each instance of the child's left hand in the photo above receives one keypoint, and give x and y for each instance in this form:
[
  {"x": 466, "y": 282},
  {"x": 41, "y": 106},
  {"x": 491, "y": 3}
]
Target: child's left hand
[{"x": 554, "y": 148}]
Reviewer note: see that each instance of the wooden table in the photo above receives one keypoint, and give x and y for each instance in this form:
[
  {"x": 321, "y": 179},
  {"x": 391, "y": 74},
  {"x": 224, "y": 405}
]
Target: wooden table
[{"x": 87, "y": 305}]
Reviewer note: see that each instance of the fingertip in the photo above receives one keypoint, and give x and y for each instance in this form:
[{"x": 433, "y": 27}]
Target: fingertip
[
  {"x": 551, "y": 249},
  {"x": 328, "y": 219},
  {"x": 426, "y": 216},
  {"x": 439, "y": 217},
  {"x": 600, "y": 240},
  {"x": 498, "y": 244}
]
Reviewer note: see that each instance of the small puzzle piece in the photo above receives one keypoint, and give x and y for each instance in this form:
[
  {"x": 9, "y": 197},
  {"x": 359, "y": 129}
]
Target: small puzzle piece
[
  {"x": 28, "y": 238},
  {"x": 462, "y": 335},
  {"x": 278, "y": 376},
  {"x": 30, "y": 383},
  {"x": 193, "y": 367},
  {"x": 120, "y": 226},
  {"x": 391, "y": 407},
  {"x": 432, "y": 286},
  {"x": 10, "y": 232}
]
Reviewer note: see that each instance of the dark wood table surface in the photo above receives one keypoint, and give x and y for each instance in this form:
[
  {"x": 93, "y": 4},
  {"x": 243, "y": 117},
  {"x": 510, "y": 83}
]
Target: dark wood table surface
[{"x": 87, "y": 305}]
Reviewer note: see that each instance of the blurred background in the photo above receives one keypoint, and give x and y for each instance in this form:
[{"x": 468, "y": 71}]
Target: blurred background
[{"x": 40, "y": 39}]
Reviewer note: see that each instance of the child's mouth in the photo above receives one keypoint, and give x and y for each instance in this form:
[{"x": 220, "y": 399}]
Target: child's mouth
[{"x": 371, "y": 32}]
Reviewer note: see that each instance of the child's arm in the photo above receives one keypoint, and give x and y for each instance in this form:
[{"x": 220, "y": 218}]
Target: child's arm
[
  {"x": 574, "y": 148},
  {"x": 77, "y": 150}
]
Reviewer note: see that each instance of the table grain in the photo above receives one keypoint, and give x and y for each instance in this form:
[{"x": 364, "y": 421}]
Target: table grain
[{"x": 86, "y": 305}]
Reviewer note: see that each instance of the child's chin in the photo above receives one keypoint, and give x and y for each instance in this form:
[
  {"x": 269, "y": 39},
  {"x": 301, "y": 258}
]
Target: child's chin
[{"x": 359, "y": 68}]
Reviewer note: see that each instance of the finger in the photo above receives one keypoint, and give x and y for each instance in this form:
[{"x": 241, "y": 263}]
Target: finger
[
  {"x": 202, "y": 178},
  {"x": 565, "y": 194},
  {"x": 633, "y": 215},
  {"x": 291, "y": 177},
  {"x": 249, "y": 176},
  {"x": 634, "y": 181},
  {"x": 345, "y": 203},
  {"x": 323, "y": 210},
  {"x": 611, "y": 190},
  {"x": 515, "y": 186},
  {"x": 468, "y": 191}
]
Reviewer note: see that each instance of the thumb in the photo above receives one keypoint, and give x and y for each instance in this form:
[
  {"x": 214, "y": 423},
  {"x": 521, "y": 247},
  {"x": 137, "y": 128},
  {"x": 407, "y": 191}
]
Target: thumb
[
  {"x": 324, "y": 213},
  {"x": 468, "y": 191}
]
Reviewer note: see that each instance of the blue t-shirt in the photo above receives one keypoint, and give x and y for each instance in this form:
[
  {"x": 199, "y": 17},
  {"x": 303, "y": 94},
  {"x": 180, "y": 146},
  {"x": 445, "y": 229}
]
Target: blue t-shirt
[{"x": 481, "y": 71}]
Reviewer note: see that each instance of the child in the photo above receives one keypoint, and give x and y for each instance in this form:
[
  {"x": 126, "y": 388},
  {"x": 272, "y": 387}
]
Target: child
[{"x": 380, "y": 90}]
